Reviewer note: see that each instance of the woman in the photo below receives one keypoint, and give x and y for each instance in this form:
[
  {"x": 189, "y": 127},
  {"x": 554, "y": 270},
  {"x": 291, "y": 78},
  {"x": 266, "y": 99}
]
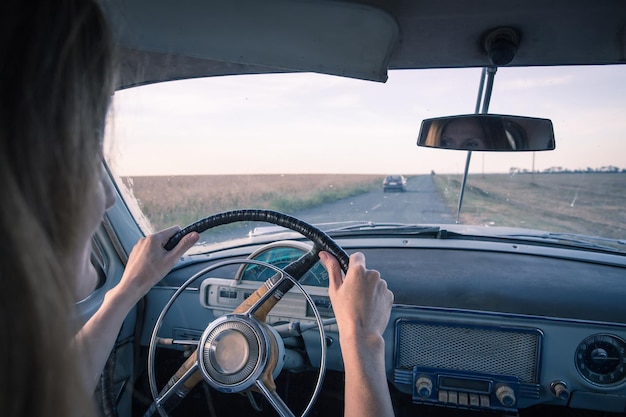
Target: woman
[
  {"x": 56, "y": 80},
  {"x": 471, "y": 133},
  {"x": 47, "y": 171}
]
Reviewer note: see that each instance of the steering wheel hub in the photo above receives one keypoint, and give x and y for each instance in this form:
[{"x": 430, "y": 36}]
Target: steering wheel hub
[
  {"x": 233, "y": 353},
  {"x": 228, "y": 352}
]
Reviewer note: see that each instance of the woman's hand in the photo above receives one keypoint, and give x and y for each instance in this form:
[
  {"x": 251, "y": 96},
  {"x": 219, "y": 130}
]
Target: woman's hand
[
  {"x": 149, "y": 262},
  {"x": 361, "y": 301},
  {"x": 362, "y": 305}
]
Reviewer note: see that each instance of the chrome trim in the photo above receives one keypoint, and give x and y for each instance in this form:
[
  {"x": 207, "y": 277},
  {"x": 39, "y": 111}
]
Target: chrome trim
[{"x": 257, "y": 364}]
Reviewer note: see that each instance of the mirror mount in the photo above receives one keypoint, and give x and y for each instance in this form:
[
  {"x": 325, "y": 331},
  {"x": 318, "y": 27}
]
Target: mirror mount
[
  {"x": 484, "y": 96},
  {"x": 501, "y": 44}
]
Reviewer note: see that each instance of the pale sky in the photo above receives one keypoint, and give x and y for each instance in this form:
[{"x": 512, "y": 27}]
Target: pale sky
[{"x": 311, "y": 123}]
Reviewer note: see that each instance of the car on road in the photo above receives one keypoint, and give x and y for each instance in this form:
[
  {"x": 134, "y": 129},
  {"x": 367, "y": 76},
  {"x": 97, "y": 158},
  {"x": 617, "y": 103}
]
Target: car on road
[
  {"x": 394, "y": 183},
  {"x": 268, "y": 123}
]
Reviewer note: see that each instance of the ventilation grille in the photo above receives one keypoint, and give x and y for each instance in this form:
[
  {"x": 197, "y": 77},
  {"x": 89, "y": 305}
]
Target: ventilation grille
[{"x": 485, "y": 350}]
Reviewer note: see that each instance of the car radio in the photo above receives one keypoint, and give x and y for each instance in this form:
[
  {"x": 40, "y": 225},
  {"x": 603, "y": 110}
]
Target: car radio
[{"x": 464, "y": 389}]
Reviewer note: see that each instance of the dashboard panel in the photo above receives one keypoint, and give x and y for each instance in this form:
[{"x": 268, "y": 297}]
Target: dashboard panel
[
  {"x": 500, "y": 329},
  {"x": 221, "y": 297}
]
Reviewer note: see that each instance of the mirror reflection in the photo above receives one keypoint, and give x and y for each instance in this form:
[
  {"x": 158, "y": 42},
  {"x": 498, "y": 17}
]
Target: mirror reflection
[{"x": 487, "y": 132}]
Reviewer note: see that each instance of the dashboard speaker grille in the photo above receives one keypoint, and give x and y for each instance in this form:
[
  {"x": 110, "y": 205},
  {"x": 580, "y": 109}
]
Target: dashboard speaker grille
[{"x": 486, "y": 350}]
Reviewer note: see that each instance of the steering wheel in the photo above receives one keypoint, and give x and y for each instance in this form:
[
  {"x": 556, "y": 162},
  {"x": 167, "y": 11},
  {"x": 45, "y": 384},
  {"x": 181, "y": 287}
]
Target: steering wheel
[{"x": 238, "y": 352}]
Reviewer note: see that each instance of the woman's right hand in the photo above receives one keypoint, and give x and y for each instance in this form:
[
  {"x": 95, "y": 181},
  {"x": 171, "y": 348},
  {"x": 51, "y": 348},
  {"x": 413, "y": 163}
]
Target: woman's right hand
[
  {"x": 361, "y": 300},
  {"x": 362, "y": 305}
]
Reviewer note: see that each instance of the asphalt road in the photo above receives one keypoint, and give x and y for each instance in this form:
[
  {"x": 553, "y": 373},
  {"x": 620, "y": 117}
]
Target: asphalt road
[{"x": 419, "y": 204}]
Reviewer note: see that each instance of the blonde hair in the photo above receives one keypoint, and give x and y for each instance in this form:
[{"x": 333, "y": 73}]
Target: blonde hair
[
  {"x": 56, "y": 79},
  {"x": 435, "y": 130}
]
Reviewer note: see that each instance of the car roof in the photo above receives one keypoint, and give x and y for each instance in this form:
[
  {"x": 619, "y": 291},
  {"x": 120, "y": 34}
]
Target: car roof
[{"x": 173, "y": 39}]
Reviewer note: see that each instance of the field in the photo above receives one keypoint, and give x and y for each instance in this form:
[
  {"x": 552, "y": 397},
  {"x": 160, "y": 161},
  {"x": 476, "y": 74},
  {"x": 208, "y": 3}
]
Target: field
[
  {"x": 184, "y": 199},
  {"x": 591, "y": 204}
]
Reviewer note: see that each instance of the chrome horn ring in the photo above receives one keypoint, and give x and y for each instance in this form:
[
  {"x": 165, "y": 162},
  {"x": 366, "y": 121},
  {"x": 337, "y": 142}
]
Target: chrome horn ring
[{"x": 233, "y": 352}]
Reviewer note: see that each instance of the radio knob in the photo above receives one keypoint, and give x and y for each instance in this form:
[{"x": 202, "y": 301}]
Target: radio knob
[
  {"x": 424, "y": 386},
  {"x": 560, "y": 390},
  {"x": 505, "y": 395}
]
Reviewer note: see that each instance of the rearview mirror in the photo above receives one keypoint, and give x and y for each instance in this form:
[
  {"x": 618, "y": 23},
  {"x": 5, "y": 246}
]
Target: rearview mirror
[{"x": 487, "y": 132}]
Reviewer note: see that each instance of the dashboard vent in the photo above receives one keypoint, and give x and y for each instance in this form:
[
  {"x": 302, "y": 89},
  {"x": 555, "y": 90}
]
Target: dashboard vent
[{"x": 481, "y": 349}]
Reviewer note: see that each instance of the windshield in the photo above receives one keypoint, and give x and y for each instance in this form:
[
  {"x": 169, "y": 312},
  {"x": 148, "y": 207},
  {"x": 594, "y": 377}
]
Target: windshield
[{"x": 326, "y": 149}]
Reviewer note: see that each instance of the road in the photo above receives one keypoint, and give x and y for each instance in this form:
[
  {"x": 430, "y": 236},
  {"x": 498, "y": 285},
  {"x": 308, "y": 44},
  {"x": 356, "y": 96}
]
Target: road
[{"x": 421, "y": 203}]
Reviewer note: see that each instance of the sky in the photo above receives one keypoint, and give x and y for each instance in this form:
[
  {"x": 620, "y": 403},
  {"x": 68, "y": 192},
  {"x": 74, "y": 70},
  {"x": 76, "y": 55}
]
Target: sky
[{"x": 312, "y": 123}]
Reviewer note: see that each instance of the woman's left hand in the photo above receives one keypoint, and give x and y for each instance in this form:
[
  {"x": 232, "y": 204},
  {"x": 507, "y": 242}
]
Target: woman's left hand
[{"x": 149, "y": 262}]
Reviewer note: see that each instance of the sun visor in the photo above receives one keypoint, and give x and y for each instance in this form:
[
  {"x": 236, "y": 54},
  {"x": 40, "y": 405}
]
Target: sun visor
[{"x": 329, "y": 37}]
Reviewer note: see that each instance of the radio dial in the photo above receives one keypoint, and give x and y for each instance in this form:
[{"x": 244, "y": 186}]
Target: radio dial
[
  {"x": 505, "y": 395},
  {"x": 424, "y": 386}
]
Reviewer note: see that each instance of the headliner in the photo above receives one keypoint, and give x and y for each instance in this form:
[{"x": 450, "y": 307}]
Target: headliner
[{"x": 168, "y": 40}]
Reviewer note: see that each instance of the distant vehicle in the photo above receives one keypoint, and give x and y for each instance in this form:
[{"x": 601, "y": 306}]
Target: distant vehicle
[{"x": 394, "y": 183}]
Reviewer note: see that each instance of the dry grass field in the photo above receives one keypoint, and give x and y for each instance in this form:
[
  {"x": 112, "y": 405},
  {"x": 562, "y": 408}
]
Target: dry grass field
[
  {"x": 591, "y": 204},
  {"x": 184, "y": 199}
]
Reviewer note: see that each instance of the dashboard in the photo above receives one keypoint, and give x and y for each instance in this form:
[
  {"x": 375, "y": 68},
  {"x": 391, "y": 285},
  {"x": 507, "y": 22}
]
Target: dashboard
[{"x": 497, "y": 327}]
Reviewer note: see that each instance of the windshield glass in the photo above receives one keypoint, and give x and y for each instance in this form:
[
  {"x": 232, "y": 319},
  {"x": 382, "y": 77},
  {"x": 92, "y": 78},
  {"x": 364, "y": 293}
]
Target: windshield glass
[{"x": 324, "y": 149}]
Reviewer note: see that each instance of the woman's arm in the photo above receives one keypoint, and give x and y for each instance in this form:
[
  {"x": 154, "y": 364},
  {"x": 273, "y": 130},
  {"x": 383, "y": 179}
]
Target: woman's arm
[
  {"x": 362, "y": 305},
  {"x": 147, "y": 264}
]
